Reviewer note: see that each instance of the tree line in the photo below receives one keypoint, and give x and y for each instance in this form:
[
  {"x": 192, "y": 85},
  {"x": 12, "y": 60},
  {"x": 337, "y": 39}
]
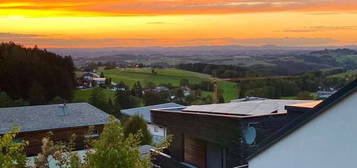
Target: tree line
[
  {"x": 35, "y": 75},
  {"x": 219, "y": 71},
  {"x": 305, "y": 83}
]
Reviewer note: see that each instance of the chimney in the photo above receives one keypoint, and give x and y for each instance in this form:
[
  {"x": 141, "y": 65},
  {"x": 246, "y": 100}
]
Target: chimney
[{"x": 62, "y": 110}]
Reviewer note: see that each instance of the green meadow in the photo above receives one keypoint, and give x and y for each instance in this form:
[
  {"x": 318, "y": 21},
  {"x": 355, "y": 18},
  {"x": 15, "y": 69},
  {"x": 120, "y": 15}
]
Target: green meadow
[{"x": 162, "y": 76}]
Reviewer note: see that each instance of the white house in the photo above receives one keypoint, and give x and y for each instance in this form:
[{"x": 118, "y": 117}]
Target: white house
[
  {"x": 158, "y": 133},
  {"x": 99, "y": 81},
  {"x": 326, "y": 137}
]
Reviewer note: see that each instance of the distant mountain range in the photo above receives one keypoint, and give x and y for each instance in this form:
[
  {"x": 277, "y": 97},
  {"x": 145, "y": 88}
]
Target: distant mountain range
[
  {"x": 264, "y": 59},
  {"x": 188, "y": 51}
]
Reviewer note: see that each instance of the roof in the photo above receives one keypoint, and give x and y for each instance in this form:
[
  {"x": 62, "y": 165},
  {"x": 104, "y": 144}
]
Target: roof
[
  {"x": 145, "y": 111},
  {"x": 307, "y": 105},
  {"x": 254, "y": 107},
  {"x": 47, "y": 117},
  {"x": 306, "y": 117}
]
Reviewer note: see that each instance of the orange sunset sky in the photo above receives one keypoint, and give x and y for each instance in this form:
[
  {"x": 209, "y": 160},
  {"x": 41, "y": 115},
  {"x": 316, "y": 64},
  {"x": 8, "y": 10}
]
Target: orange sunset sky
[{"x": 123, "y": 23}]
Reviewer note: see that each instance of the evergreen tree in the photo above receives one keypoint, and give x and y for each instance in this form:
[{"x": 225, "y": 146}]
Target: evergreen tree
[
  {"x": 102, "y": 75},
  {"x": 137, "y": 90},
  {"x": 37, "y": 94},
  {"x": 5, "y": 100},
  {"x": 57, "y": 100}
]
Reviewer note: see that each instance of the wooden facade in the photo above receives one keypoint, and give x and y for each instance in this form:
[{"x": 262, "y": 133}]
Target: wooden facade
[
  {"x": 192, "y": 133},
  {"x": 34, "y": 138}
]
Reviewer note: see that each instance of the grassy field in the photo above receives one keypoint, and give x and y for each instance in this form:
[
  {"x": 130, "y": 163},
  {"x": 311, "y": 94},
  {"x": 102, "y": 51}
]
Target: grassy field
[
  {"x": 345, "y": 74},
  {"x": 165, "y": 76},
  {"x": 230, "y": 90},
  {"x": 83, "y": 95},
  {"x": 144, "y": 75}
]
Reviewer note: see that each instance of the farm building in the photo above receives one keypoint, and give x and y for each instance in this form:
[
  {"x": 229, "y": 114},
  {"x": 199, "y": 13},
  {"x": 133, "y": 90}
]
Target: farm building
[
  {"x": 62, "y": 120},
  {"x": 324, "y": 137}
]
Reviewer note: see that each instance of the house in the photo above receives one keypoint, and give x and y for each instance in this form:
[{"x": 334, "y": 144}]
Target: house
[
  {"x": 222, "y": 135},
  {"x": 324, "y": 94},
  {"x": 89, "y": 76},
  {"x": 99, "y": 81},
  {"x": 161, "y": 88},
  {"x": 158, "y": 132},
  {"x": 62, "y": 120},
  {"x": 325, "y": 137}
]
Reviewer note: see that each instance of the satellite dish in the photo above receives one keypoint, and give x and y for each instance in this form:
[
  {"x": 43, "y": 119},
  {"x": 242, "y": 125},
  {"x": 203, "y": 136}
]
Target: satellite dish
[{"x": 250, "y": 135}]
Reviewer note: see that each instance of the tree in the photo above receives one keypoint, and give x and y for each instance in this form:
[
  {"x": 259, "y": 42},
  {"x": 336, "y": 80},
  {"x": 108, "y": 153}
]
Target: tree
[
  {"x": 184, "y": 82},
  {"x": 21, "y": 67},
  {"x": 20, "y": 102},
  {"x": 137, "y": 90},
  {"x": 102, "y": 75},
  {"x": 152, "y": 97},
  {"x": 123, "y": 100},
  {"x": 112, "y": 149},
  {"x": 135, "y": 125},
  {"x": 304, "y": 95},
  {"x": 57, "y": 100},
  {"x": 5, "y": 100},
  {"x": 37, "y": 94},
  {"x": 99, "y": 100},
  {"x": 153, "y": 71},
  {"x": 11, "y": 153}
]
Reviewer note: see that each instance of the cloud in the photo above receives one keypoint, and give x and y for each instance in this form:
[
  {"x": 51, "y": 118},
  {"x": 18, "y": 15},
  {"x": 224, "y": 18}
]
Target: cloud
[
  {"x": 319, "y": 29},
  {"x": 15, "y": 35},
  {"x": 159, "y": 7}
]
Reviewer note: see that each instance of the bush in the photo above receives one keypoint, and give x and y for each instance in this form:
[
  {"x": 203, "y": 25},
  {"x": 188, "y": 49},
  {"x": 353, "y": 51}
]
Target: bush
[{"x": 135, "y": 125}]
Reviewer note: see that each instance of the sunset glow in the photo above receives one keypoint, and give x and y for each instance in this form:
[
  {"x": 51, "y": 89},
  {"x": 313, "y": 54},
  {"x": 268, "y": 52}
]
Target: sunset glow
[{"x": 109, "y": 23}]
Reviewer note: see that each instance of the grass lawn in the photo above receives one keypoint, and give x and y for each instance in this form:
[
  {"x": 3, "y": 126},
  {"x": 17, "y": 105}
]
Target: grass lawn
[{"x": 83, "y": 95}]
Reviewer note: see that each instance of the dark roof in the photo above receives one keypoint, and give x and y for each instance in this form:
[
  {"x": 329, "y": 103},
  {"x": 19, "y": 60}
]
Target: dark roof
[
  {"x": 254, "y": 107},
  {"x": 306, "y": 117},
  {"x": 47, "y": 117},
  {"x": 145, "y": 111}
]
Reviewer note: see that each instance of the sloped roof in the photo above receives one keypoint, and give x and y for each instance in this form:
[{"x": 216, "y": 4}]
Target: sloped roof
[
  {"x": 145, "y": 111},
  {"x": 47, "y": 117},
  {"x": 305, "y": 118}
]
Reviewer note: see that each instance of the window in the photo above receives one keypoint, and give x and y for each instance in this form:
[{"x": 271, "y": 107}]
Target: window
[
  {"x": 18, "y": 140},
  {"x": 93, "y": 134},
  {"x": 156, "y": 129}
]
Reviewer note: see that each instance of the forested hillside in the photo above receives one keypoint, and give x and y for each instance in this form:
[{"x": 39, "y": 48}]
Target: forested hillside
[{"x": 35, "y": 75}]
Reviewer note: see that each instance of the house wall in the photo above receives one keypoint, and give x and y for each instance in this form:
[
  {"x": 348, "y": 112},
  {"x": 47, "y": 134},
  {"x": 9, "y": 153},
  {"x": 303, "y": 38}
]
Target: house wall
[
  {"x": 35, "y": 138},
  {"x": 327, "y": 141},
  {"x": 226, "y": 132},
  {"x": 158, "y": 133},
  {"x": 222, "y": 131}
]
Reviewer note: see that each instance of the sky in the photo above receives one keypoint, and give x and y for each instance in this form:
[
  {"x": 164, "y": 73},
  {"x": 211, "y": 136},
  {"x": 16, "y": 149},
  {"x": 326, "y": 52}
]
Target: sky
[{"x": 142, "y": 23}]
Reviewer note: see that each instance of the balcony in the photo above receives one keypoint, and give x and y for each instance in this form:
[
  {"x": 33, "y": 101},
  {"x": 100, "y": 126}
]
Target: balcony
[{"x": 162, "y": 160}]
